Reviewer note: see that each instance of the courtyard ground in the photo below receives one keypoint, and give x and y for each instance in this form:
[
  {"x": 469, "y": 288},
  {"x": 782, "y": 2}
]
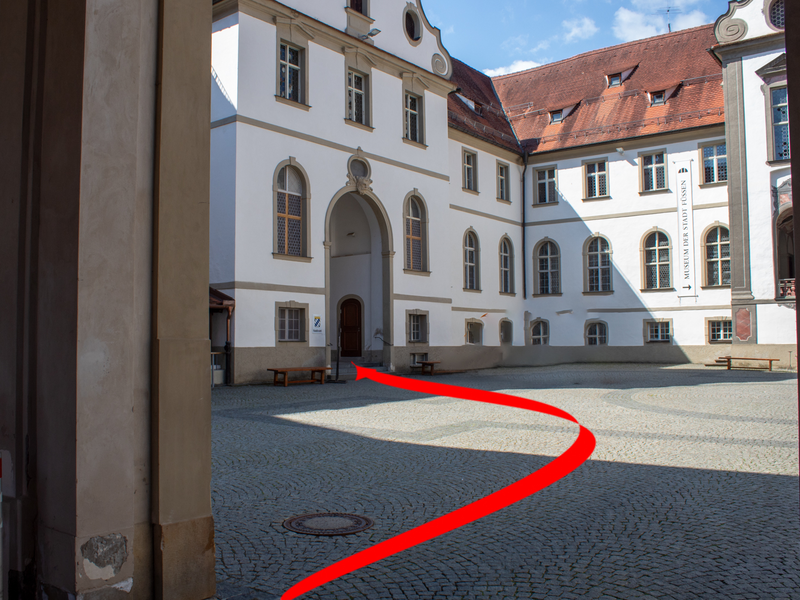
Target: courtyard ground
[{"x": 692, "y": 491}]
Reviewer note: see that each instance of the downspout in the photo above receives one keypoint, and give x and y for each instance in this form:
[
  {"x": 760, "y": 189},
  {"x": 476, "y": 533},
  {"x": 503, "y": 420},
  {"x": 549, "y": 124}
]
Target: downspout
[{"x": 524, "y": 252}]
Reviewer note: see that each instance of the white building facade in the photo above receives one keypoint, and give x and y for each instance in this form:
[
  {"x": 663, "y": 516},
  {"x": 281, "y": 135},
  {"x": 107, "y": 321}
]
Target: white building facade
[{"x": 374, "y": 198}]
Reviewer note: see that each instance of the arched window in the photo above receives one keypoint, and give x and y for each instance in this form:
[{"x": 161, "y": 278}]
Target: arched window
[
  {"x": 416, "y": 243},
  {"x": 596, "y": 334},
  {"x": 471, "y": 262},
  {"x": 506, "y": 266},
  {"x": 598, "y": 265},
  {"x": 657, "y": 261},
  {"x": 540, "y": 333},
  {"x": 290, "y": 212},
  {"x": 548, "y": 268},
  {"x": 718, "y": 256},
  {"x": 784, "y": 251}
]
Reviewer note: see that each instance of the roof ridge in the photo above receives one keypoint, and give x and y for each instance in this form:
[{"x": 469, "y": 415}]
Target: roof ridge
[{"x": 600, "y": 50}]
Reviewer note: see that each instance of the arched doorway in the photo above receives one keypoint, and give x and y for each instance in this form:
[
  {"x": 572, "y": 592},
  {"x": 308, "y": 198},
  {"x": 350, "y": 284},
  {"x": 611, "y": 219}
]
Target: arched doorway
[
  {"x": 785, "y": 262},
  {"x": 358, "y": 265},
  {"x": 350, "y": 328}
]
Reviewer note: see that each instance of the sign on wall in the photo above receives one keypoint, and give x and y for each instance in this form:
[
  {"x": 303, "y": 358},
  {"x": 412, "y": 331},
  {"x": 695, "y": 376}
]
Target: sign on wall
[
  {"x": 316, "y": 324},
  {"x": 684, "y": 245}
]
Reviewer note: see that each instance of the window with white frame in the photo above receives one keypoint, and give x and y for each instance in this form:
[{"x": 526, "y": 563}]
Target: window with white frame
[
  {"x": 596, "y": 179},
  {"x": 598, "y": 264},
  {"x": 471, "y": 274},
  {"x": 615, "y": 80},
  {"x": 291, "y": 73},
  {"x": 549, "y": 269},
  {"x": 289, "y": 209},
  {"x": 546, "y": 186},
  {"x": 290, "y": 324},
  {"x": 658, "y": 331},
  {"x": 470, "y": 160},
  {"x": 474, "y": 332},
  {"x": 657, "y": 260},
  {"x": 506, "y": 267},
  {"x": 720, "y": 331},
  {"x": 715, "y": 163},
  {"x": 654, "y": 172},
  {"x": 413, "y": 117},
  {"x": 780, "y": 123},
  {"x": 540, "y": 333},
  {"x": 596, "y": 334},
  {"x": 718, "y": 256},
  {"x": 357, "y": 98},
  {"x": 556, "y": 116},
  {"x": 658, "y": 98},
  {"x": 502, "y": 182},
  {"x": 415, "y": 234},
  {"x": 417, "y": 328}
]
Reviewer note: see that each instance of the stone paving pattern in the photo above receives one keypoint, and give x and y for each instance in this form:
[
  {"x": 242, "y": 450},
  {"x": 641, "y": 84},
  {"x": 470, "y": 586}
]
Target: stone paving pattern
[{"x": 692, "y": 491}]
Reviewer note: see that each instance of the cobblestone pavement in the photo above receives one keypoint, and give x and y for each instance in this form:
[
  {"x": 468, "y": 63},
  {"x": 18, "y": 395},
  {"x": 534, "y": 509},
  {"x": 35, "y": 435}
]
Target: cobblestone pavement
[{"x": 692, "y": 491}]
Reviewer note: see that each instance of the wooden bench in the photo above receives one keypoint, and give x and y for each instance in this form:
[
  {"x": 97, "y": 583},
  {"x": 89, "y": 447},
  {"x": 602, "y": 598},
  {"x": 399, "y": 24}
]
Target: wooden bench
[
  {"x": 314, "y": 371},
  {"x": 728, "y": 360},
  {"x": 428, "y": 364}
]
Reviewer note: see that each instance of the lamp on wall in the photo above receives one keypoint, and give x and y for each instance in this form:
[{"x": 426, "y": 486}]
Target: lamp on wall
[{"x": 372, "y": 33}]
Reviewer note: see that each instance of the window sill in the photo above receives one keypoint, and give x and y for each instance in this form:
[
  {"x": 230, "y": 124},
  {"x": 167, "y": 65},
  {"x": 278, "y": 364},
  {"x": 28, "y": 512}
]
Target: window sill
[
  {"x": 413, "y": 143},
  {"x": 305, "y": 259},
  {"x": 501, "y": 201},
  {"x": 593, "y": 198},
  {"x": 602, "y": 293},
  {"x": 658, "y": 342},
  {"x": 648, "y": 290},
  {"x": 415, "y": 272},
  {"x": 290, "y": 342},
  {"x": 508, "y": 293},
  {"x": 471, "y": 291},
  {"x": 715, "y": 287},
  {"x": 537, "y": 204},
  {"x": 294, "y": 103},
  {"x": 469, "y": 191},
  {"x": 715, "y": 342},
  {"x": 545, "y": 295},
  {"x": 780, "y": 163},
  {"x": 652, "y": 192},
  {"x": 359, "y": 15},
  {"x": 359, "y": 125},
  {"x": 714, "y": 184}
]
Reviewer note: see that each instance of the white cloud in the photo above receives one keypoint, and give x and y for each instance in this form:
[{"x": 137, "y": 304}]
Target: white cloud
[
  {"x": 630, "y": 25},
  {"x": 517, "y": 65},
  {"x": 579, "y": 29},
  {"x": 516, "y": 45},
  {"x": 689, "y": 20},
  {"x": 659, "y": 5},
  {"x": 543, "y": 45}
]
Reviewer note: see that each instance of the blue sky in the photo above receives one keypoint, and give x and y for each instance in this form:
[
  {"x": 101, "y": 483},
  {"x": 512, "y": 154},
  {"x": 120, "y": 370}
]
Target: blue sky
[{"x": 512, "y": 35}]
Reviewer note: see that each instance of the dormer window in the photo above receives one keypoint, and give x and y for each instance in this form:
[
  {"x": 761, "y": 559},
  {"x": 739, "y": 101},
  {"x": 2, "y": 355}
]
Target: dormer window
[
  {"x": 615, "y": 80},
  {"x": 556, "y": 116},
  {"x": 475, "y": 107},
  {"x": 658, "y": 98}
]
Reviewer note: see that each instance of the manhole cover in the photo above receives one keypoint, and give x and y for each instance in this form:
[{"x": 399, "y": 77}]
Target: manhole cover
[{"x": 328, "y": 524}]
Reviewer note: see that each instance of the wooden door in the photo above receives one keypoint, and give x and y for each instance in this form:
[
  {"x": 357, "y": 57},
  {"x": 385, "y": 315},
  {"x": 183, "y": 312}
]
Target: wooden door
[{"x": 350, "y": 320}]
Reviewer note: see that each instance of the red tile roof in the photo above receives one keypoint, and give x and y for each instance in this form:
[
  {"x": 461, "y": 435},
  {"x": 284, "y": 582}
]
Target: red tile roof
[
  {"x": 603, "y": 114},
  {"x": 488, "y": 121}
]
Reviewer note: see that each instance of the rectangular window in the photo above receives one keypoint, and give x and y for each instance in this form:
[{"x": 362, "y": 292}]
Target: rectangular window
[
  {"x": 557, "y": 116},
  {"x": 720, "y": 331},
  {"x": 657, "y": 98},
  {"x": 596, "y": 179},
  {"x": 291, "y": 73},
  {"x": 417, "y": 328},
  {"x": 615, "y": 80},
  {"x": 474, "y": 333},
  {"x": 502, "y": 182},
  {"x": 413, "y": 106},
  {"x": 289, "y": 324},
  {"x": 780, "y": 124},
  {"x": 654, "y": 172},
  {"x": 658, "y": 331},
  {"x": 470, "y": 179},
  {"x": 356, "y": 97},
  {"x": 715, "y": 163},
  {"x": 546, "y": 186}
]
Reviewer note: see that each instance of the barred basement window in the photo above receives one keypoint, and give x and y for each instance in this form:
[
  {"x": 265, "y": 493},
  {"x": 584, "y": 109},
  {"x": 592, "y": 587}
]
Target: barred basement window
[
  {"x": 657, "y": 260},
  {"x": 720, "y": 331},
  {"x": 289, "y": 212},
  {"x": 654, "y": 172},
  {"x": 596, "y": 179},
  {"x": 540, "y": 334}
]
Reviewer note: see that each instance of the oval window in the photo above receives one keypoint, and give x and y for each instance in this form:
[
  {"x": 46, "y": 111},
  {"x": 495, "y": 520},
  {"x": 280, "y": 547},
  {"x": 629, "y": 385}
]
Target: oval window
[{"x": 412, "y": 25}]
